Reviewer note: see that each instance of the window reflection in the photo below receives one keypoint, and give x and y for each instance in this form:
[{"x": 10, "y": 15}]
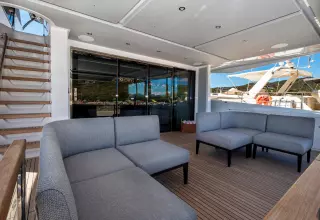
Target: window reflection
[{"x": 113, "y": 87}]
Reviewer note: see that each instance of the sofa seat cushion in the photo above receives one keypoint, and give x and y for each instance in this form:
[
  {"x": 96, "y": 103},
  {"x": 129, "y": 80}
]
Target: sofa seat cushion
[
  {"x": 128, "y": 194},
  {"x": 155, "y": 156},
  {"x": 298, "y": 145},
  {"x": 247, "y": 131},
  {"x": 96, "y": 163},
  {"x": 225, "y": 138}
]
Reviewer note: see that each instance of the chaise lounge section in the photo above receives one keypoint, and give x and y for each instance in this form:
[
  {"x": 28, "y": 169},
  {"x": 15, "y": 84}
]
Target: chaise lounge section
[
  {"x": 233, "y": 130},
  {"x": 229, "y": 130},
  {"x": 88, "y": 171}
]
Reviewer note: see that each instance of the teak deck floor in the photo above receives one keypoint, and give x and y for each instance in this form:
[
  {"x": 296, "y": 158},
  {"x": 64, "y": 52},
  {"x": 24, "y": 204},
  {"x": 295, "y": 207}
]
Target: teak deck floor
[{"x": 246, "y": 190}]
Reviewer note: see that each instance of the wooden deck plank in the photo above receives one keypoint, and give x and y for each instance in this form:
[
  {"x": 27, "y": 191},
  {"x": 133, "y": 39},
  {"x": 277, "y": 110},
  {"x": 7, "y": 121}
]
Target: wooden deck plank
[
  {"x": 28, "y": 79},
  {"x": 24, "y": 58},
  {"x": 27, "y": 50},
  {"x": 29, "y": 42}
]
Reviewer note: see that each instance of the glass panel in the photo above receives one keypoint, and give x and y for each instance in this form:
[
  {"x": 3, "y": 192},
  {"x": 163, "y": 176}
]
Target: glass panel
[
  {"x": 183, "y": 93},
  {"x": 94, "y": 86},
  {"x": 132, "y": 89},
  {"x": 26, "y": 22},
  {"x": 160, "y": 96}
]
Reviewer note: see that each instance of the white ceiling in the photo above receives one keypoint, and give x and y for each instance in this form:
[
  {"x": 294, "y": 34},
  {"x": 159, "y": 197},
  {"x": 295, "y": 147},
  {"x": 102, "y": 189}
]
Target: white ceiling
[
  {"x": 196, "y": 25},
  {"x": 293, "y": 30},
  {"x": 112, "y": 11},
  {"x": 185, "y": 37}
]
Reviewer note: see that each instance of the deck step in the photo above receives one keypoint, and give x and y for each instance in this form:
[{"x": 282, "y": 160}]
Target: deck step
[
  {"x": 27, "y": 50},
  {"x": 30, "y": 145},
  {"x": 28, "y": 42},
  {"x": 18, "y": 78},
  {"x": 25, "y": 68},
  {"x": 31, "y": 59},
  {"x": 31, "y": 115},
  {"x": 25, "y": 102},
  {"x": 10, "y": 131},
  {"x": 24, "y": 90}
]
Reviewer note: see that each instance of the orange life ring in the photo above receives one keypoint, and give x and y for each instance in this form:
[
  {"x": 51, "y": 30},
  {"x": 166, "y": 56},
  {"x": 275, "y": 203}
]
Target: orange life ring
[{"x": 263, "y": 100}]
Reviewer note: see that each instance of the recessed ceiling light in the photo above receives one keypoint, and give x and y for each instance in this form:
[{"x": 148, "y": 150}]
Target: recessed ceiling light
[
  {"x": 182, "y": 8},
  {"x": 86, "y": 38},
  {"x": 197, "y": 64},
  {"x": 128, "y": 44},
  {"x": 278, "y": 46},
  {"x": 218, "y": 26}
]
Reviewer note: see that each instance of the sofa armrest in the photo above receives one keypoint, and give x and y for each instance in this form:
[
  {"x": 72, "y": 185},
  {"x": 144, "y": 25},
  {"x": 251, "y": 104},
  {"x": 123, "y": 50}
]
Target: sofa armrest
[
  {"x": 208, "y": 121},
  {"x": 54, "y": 199}
]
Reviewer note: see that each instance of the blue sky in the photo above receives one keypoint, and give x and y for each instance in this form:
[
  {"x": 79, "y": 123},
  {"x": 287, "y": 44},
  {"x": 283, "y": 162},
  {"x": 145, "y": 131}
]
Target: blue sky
[
  {"x": 33, "y": 28},
  {"x": 221, "y": 79}
]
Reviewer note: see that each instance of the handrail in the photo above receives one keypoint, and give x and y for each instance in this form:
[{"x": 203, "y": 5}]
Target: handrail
[
  {"x": 11, "y": 165},
  {"x": 3, "y": 51}
]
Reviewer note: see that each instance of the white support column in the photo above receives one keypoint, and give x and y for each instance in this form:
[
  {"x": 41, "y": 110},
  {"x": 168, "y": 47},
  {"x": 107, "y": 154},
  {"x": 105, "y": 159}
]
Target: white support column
[
  {"x": 288, "y": 84},
  {"x": 256, "y": 89},
  {"x": 203, "y": 88},
  {"x": 60, "y": 62}
]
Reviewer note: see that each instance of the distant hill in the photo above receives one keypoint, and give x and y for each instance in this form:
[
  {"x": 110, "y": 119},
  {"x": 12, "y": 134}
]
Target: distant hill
[{"x": 298, "y": 86}]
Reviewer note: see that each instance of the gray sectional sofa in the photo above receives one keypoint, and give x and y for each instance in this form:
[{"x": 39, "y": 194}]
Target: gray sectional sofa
[
  {"x": 100, "y": 169},
  {"x": 234, "y": 130}
]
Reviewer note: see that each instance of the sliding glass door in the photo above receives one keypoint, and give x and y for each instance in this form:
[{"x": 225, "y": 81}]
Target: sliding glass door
[
  {"x": 160, "y": 96},
  {"x": 111, "y": 87},
  {"x": 183, "y": 97},
  {"x": 94, "y": 92},
  {"x": 132, "y": 89}
]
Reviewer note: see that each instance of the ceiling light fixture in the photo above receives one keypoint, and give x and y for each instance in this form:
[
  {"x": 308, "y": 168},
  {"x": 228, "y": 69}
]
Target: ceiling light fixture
[
  {"x": 278, "y": 46},
  {"x": 128, "y": 44},
  {"x": 197, "y": 64},
  {"x": 86, "y": 38},
  {"x": 218, "y": 26},
  {"x": 182, "y": 8},
  {"x": 158, "y": 51}
]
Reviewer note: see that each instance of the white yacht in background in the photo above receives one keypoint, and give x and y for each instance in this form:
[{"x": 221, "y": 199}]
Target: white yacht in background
[{"x": 258, "y": 95}]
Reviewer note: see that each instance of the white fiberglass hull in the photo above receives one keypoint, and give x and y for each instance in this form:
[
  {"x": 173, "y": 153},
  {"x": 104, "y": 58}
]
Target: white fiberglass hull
[{"x": 294, "y": 102}]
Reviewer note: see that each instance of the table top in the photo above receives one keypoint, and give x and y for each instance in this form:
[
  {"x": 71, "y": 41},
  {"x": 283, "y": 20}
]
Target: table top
[{"x": 302, "y": 200}]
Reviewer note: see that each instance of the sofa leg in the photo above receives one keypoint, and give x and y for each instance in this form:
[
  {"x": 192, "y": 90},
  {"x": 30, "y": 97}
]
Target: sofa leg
[
  {"x": 267, "y": 150},
  {"x": 197, "y": 146},
  {"x": 308, "y": 156},
  {"x": 185, "y": 173},
  {"x": 299, "y": 163},
  {"x": 248, "y": 150},
  {"x": 229, "y": 157},
  {"x": 262, "y": 149},
  {"x": 254, "y": 151}
]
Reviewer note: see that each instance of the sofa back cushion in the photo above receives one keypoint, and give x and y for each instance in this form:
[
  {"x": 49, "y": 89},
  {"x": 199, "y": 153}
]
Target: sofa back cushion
[
  {"x": 207, "y": 121},
  {"x": 82, "y": 135},
  {"x": 54, "y": 199},
  {"x": 130, "y": 130},
  {"x": 291, "y": 125},
  {"x": 249, "y": 120}
]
